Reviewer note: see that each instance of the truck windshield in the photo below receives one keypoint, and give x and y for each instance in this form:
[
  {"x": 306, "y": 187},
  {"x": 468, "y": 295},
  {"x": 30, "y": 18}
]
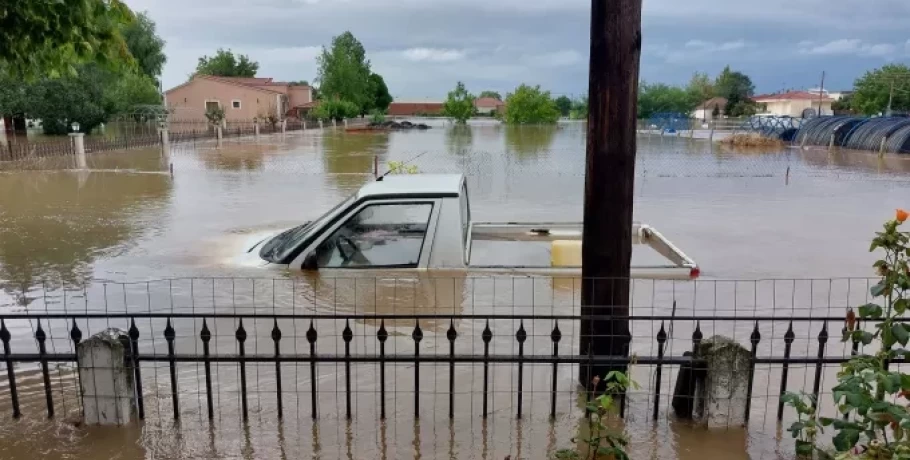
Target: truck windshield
[{"x": 280, "y": 247}]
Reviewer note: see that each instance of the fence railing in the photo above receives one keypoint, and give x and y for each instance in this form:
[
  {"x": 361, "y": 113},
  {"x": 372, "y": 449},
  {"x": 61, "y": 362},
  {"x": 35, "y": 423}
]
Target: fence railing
[
  {"x": 179, "y": 131},
  {"x": 199, "y": 346}
]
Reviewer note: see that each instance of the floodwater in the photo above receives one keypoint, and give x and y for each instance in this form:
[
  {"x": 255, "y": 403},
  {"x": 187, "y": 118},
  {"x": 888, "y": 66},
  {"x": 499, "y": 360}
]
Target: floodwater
[{"x": 68, "y": 239}]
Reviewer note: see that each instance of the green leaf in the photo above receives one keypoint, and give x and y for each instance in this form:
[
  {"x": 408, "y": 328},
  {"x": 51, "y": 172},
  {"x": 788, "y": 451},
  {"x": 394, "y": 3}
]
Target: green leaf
[
  {"x": 804, "y": 448},
  {"x": 866, "y": 338},
  {"x": 870, "y": 310},
  {"x": 900, "y": 305},
  {"x": 825, "y": 421},
  {"x": 900, "y": 333},
  {"x": 846, "y": 439},
  {"x": 878, "y": 289},
  {"x": 795, "y": 428}
]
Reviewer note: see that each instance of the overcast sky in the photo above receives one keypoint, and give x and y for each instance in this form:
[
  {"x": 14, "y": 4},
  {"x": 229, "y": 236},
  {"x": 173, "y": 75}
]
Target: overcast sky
[{"x": 422, "y": 47}]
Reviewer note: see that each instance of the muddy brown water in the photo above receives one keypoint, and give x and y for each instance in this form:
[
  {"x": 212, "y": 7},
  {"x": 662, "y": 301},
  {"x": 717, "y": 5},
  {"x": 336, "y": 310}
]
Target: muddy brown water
[{"x": 69, "y": 239}]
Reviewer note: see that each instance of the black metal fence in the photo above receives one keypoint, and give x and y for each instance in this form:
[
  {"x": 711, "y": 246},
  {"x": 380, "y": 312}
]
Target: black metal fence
[{"x": 485, "y": 356}]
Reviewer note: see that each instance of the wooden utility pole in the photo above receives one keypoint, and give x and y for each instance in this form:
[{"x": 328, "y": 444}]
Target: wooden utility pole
[{"x": 609, "y": 180}]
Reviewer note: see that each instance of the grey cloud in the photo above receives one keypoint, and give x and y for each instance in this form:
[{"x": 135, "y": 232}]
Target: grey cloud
[{"x": 423, "y": 47}]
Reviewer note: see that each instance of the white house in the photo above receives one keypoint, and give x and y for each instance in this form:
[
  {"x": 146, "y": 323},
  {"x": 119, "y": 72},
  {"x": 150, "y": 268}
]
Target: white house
[
  {"x": 799, "y": 104},
  {"x": 705, "y": 110}
]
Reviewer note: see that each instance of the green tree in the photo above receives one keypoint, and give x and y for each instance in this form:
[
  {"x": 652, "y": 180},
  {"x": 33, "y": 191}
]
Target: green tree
[
  {"x": 344, "y": 72},
  {"x": 843, "y": 105},
  {"x": 660, "y": 97},
  {"x": 579, "y": 108},
  {"x": 872, "y": 91},
  {"x": 52, "y": 37},
  {"x": 528, "y": 104},
  {"x": 336, "y": 109},
  {"x": 225, "y": 64},
  {"x": 459, "y": 104},
  {"x": 564, "y": 105},
  {"x": 146, "y": 47},
  {"x": 380, "y": 94},
  {"x": 58, "y": 102},
  {"x": 700, "y": 88},
  {"x": 493, "y": 94},
  {"x": 300, "y": 83},
  {"x": 128, "y": 91},
  {"x": 738, "y": 89}
]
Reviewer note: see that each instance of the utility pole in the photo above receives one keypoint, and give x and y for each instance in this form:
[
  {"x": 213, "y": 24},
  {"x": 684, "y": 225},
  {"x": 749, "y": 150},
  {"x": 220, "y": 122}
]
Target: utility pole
[
  {"x": 821, "y": 93},
  {"x": 890, "y": 99},
  {"x": 609, "y": 181}
]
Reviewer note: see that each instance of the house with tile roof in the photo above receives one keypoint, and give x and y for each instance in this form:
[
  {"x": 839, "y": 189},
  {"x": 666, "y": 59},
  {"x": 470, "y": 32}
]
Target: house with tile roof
[
  {"x": 800, "y": 104},
  {"x": 241, "y": 98}
]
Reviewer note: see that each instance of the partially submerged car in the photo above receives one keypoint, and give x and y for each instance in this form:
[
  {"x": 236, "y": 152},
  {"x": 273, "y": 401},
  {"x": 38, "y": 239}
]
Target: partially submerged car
[{"x": 423, "y": 222}]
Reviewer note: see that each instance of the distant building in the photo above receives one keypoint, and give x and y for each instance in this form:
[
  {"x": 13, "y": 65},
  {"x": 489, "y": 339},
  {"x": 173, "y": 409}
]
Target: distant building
[
  {"x": 241, "y": 98},
  {"x": 836, "y": 95},
  {"x": 488, "y": 105},
  {"x": 705, "y": 110},
  {"x": 409, "y": 109},
  {"x": 799, "y": 104}
]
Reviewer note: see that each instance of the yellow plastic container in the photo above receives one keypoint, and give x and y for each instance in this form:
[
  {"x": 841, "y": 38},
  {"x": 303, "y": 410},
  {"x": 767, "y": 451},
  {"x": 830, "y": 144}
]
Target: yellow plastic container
[{"x": 565, "y": 253}]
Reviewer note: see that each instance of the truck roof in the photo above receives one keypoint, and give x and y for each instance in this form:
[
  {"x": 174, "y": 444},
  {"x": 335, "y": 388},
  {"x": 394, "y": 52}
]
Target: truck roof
[{"x": 416, "y": 185}]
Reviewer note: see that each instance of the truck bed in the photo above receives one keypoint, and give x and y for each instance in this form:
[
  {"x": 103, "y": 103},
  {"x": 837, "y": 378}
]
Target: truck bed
[{"x": 526, "y": 248}]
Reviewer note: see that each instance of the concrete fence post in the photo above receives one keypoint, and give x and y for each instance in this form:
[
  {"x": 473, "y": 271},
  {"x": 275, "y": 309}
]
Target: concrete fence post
[
  {"x": 881, "y": 149},
  {"x": 284, "y": 126},
  {"x": 320, "y": 124},
  {"x": 345, "y": 123},
  {"x": 218, "y": 135},
  {"x": 79, "y": 149},
  {"x": 165, "y": 140},
  {"x": 334, "y": 123},
  {"x": 711, "y": 136},
  {"x": 831, "y": 142},
  {"x": 722, "y": 391},
  {"x": 106, "y": 378},
  {"x": 256, "y": 130}
]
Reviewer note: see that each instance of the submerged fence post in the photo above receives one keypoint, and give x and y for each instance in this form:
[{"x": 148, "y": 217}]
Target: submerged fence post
[
  {"x": 722, "y": 396},
  {"x": 881, "y": 149},
  {"x": 831, "y": 142},
  {"x": 218, "y": 134},
  {"x": 79, "y": 149},
  {"x": 106, "y": 378}
]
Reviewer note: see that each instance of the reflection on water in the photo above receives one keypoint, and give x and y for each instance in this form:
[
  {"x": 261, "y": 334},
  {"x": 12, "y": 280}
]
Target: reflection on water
[
  {"x": 54, "y": 225},
  {"x": 459, "y": 139},
  {"x": 527, "y": 142}
]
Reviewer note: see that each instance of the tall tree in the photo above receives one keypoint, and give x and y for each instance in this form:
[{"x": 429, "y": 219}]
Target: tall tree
[
  {"x": 659, "y": 97},
  {"x": 225, "y": 64},
  {"x": 700, "y": 88},
  {"x": 873, "y": 90},
  {"x": 146, "y": 47},
  {"x": 528, "y": 104},
  {"x": 459, "y": 104},
  {"x": 344, "y": 72},
  {"x": 738, "y": 89},
  {"x": 564, "y": 105},
  {"x": 493, "y": 94},
  {"x": 50, "y": 38},
  {"x": 381, "y": 99}
]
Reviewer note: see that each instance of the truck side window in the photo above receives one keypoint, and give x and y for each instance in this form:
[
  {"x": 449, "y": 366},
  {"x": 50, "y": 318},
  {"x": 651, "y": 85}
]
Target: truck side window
[{"x": 380, "y": 235}]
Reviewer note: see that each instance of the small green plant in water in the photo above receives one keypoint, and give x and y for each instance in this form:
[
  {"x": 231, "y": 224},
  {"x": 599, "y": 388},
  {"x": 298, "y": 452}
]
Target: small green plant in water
[
  {"x": 602, "y": 442},
  {"x": 399, "y": 167},
  {"x": 377, "y": 117},
  {"x": 806, "y": 427},
  {"x": 873, "y": 398},
  {"x": 215, "y": 115}
]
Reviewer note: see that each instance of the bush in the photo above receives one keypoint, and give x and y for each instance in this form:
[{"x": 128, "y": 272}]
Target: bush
[
  {"x": 459, "y": 104},
  {"x": 530, "y": 105},
  {"x": 377, "y": 117},
  {"x": 336, "y": 109}
]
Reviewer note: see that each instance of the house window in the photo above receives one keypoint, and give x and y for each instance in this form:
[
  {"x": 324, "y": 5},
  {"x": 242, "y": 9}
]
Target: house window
[
  {"x": 212, "y": 105},
  {"x": 235, "y": 103}
]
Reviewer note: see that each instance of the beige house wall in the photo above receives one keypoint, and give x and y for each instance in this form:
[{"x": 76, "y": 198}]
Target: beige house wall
[
  {"x": 795, "y": 107},
  {"x": 188, "y": 102}
]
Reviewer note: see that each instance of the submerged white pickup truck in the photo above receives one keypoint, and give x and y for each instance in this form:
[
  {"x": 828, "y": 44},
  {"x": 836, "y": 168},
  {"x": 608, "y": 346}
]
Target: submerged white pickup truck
[{"x": 423, "y": 222}]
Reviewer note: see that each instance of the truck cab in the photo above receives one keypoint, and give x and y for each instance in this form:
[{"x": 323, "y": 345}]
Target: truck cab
[{"x": 423, "y": 222}]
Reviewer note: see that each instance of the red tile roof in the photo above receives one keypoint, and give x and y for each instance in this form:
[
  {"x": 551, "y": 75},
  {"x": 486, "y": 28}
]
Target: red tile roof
[
  {"x": 414, "y": 108},
  {"x": 486, "y": 102},
  {"x": 790, "y": 96}
]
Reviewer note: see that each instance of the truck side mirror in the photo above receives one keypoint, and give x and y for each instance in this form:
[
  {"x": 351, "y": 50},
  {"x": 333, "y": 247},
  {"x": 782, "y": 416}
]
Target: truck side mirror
[{"x": 310, "y": 262}]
